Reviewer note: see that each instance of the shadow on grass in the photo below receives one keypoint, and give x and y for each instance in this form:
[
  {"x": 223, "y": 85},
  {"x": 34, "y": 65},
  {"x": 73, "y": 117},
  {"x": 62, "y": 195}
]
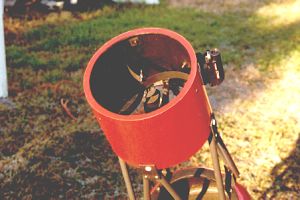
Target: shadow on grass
[
  {"x": 286, "y": 177},
  {"x": 79, "y": 166}
]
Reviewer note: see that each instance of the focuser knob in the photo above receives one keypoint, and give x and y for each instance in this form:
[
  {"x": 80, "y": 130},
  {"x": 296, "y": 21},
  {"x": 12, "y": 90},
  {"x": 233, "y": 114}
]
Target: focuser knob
[{"x": 211, "y": 67}]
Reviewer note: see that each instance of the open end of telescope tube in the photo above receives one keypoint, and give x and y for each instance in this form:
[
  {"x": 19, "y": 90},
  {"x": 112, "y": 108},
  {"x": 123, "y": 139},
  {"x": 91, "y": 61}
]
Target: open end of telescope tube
[
  {"x": 140, "y": 74},
  {"x": 146, "y": 92}
]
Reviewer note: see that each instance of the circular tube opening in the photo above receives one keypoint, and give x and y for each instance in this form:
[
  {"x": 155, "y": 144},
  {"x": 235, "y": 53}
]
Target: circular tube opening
[{"x": 139, "y": 72}]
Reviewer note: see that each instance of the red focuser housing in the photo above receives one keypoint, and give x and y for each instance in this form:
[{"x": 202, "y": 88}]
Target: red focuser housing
[{"x": 163, "y": 137}]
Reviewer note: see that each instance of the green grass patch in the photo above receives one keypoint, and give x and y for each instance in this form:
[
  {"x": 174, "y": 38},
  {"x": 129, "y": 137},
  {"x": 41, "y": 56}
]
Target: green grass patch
[
  {"x": 248, "y": 39},
  {"x": 55, "y": 51},
  {"x": 19, "y": 57}
]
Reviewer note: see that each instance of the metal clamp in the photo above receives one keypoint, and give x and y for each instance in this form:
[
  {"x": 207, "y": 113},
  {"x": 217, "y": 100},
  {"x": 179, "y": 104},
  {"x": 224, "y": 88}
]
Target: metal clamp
[{"x": 221, "y": 147}]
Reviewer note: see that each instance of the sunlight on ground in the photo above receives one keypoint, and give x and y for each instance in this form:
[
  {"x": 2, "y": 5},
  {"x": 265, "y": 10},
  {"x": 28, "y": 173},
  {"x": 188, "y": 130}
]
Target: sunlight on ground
[
  {"x": 261, "y": 125},
  {"x": 268, "y": 120},
  {"x": 281, "y": 13},
  {"x": 259, "y": 115}
]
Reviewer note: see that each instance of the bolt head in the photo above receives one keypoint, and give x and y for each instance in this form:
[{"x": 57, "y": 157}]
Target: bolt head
[{"x": 148, "y": 169}]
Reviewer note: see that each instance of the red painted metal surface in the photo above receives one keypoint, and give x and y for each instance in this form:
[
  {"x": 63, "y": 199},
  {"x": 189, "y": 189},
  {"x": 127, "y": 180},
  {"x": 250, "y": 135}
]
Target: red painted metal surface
[
  {"x": 168, "y": 135},
  {"x": 241, "y": 192}
]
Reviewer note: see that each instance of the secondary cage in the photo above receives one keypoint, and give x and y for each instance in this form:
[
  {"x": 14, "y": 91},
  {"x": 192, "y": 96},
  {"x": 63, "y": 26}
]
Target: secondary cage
[{"x": 146, "y": 89}]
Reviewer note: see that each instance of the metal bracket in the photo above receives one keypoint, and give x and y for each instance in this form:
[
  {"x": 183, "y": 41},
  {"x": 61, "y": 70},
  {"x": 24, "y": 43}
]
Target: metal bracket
[
  {"x": 150, "y": 172},
  {"x": 221, "y": 148}
]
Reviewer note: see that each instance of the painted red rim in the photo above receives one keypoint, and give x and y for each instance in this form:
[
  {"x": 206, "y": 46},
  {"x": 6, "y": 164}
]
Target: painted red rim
[{"x": 86, "y": 82}]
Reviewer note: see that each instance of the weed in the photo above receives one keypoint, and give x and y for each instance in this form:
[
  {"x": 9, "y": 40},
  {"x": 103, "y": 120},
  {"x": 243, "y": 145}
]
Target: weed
[
  {"x": 16, "y": 57},
  {"x": 53, "y": 76}
]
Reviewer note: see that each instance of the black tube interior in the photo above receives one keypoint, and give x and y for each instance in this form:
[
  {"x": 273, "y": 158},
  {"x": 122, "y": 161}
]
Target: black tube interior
[{"x": 111, "y": 83}]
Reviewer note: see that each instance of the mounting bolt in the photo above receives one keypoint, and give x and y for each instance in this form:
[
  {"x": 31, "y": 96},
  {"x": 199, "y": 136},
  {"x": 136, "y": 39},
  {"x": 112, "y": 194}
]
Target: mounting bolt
[
  {"x": 148, "y": 169},
  {"x": 213, "y": 122},
  {"x": 134, "y": 41}
]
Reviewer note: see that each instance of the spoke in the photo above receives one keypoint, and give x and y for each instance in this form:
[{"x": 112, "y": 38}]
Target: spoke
[
  {"x": 132, "y": 103},
  {"x": 134, "y": 75},
  {"x": 165, "y": 76}
]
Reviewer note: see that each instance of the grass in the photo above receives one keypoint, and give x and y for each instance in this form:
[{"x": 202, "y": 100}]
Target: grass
[
  {"x": 40, "y": 144},
  {"x": 248, "y": 38}
]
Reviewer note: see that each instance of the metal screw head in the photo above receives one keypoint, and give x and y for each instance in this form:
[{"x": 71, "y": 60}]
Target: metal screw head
[
  {"x": 213, "y": 122},
  {"x": 148, "y": 168},
  {"x": 134, "y": 41}
]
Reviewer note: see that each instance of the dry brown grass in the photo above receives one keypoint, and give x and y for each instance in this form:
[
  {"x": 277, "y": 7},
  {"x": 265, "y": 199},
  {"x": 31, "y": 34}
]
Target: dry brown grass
[{"x": 258, "y": 113}]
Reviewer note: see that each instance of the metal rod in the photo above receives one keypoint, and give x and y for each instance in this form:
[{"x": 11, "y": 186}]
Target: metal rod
[
  {"x": 228, "y": 160},
  {"x": 168, "y": 187},
  {"x": 227, "y": 156},
  {"x": 217, "y": 170},
  {"x": 126, "y": 179},
  {"x": 146, "y": 188}
]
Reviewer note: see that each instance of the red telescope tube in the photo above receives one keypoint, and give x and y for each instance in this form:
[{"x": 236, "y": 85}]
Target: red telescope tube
[{"x": 163, "y": 137}]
